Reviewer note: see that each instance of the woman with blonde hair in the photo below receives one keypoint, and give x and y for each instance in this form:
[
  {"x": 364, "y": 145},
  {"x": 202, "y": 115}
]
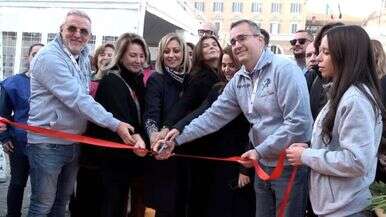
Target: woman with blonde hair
[
  {"x": 121, "y": 92},
  {"x": 205, "y": 73},
  {"x": 164, "y": 184}
]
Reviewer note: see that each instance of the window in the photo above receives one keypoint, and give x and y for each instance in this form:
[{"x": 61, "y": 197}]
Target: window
[
  {"x": 274, "y": 28},
  {"x": 217, "y": 25},
  {"x": 109, "y": 39},
  {"x": 237, "y": 7},
  {"x": 9, "y": 51},
  {"x": 294, "y": 27},
  {"x": 275, "y": 8},
  {"x": 28, "y": 39},
  {"x": 91, "y": 44},
  {"x": 51, "y": 36},
  {"x": 275, "y": 49},
  {"x": 199, "y": 6},
  {"x": 295, "y": 8},
  {"x": 256, "y": 7},
  {"x": 218, "y": 6},
  {"x": 383, "y": 3}
]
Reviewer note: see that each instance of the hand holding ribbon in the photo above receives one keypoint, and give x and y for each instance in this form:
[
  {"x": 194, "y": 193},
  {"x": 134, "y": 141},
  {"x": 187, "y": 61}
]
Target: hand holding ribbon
[
  {"x": 294, "y": 153},
  {"x": 249, "y": 157},
  {"x": 164, "y": 149},
  {"x": 124, "y": 130}
]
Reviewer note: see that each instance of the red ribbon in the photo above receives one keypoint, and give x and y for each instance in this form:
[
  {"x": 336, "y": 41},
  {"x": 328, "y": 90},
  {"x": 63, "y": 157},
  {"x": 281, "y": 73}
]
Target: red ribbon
[{"x": 276, "y": 173}]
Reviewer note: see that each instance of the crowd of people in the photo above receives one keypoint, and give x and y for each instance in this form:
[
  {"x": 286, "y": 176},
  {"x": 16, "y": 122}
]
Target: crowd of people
[{"x": 324, "y": 111}]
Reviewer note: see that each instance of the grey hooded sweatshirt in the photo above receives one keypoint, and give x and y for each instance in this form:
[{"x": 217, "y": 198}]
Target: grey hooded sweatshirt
[
  {"x": 59, "y": 94},
  {"x": 280, "y": 113},
  {"x": 343, "y": 170}
]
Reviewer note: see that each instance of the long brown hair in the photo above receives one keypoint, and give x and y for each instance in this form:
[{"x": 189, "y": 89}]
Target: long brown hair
[
  {"x": 228, "y": 51},
  {"x": 379, "y": 58},
  {"x": 99, "y": 50},
  {"x": 122, "y": 45},
  {"x": 198, "y": 58},
  {"x": 322, "y": 32},
  {"x": 353, "y": 62}
]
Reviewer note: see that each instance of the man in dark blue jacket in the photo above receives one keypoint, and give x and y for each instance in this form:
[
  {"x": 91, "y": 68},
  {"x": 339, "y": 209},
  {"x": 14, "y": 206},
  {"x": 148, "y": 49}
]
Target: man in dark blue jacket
[{"x": 15, "y": 106}]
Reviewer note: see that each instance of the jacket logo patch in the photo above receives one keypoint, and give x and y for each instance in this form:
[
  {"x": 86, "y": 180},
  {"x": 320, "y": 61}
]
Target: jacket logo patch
[
  {"x": 243, "y": 86},
  {"x": 266, "y": 83}
]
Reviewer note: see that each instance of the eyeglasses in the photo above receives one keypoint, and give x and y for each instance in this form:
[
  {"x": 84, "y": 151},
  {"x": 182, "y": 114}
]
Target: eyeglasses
[
  {"x": 300, "y": 40},
  {"x": 203, "y": 32},
  {"x": 241, "y": 38},
  {"x": 74, "y": 29}
]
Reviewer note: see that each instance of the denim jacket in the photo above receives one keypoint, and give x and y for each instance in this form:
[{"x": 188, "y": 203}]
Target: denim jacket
[
  {"x": 280, "y": 113},
  {"x": 59, "y": 94}
]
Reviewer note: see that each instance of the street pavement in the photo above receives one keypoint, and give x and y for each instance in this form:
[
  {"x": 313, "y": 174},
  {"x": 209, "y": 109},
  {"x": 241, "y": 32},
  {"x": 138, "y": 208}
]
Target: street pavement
[{"x": 3, "y": 196}]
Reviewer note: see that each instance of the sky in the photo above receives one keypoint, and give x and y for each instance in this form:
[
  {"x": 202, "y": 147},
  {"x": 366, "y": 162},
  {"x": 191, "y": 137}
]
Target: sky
[{"x": 361, "y": 8}]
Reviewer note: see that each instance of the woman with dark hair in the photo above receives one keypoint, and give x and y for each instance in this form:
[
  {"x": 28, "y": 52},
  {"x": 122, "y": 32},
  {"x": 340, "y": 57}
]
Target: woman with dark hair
[
  {"x": 102, "y": 57},
  {"x": 316, "y": 83},
  {"x": 190, "y": 50},
  {"x": 380, "y": 61},
  {"x": 121, "y": 92},
  {"x": 347, "y": 131},
  {"x": 318, "y": 96},
  {"x": 231, "y": 194},
  {"x": 204, "y": 74}
]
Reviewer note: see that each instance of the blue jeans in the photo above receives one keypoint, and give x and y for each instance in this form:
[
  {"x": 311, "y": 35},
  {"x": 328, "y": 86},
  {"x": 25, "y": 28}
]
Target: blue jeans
[
  {"x": 19, "y": 175},
  {"x": 364, "y": 213},
  {"x": 270, "y": 193},
  {"x": 53, "y": 174}
]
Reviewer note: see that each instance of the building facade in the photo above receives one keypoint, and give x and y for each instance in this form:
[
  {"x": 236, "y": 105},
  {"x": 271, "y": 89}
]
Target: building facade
[
  {"x": 281, "y": 18},
  {"x": 25, "y": 22},
  {"x": 375, "y": 23}
]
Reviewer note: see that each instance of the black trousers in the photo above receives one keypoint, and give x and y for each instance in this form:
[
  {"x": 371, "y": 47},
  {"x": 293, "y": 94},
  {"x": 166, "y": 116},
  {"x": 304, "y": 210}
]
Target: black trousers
[
  {"x": 19, "y": 175},
  {"x": 87, "y": 198},
  {"x": 116, "y": 186},
  {"x": 166, "y": 187},
  {"x": 226, "y": 198}
]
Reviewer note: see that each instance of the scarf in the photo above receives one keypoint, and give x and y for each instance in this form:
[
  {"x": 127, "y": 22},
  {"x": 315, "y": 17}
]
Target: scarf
[{"x": 175, "y": 75}]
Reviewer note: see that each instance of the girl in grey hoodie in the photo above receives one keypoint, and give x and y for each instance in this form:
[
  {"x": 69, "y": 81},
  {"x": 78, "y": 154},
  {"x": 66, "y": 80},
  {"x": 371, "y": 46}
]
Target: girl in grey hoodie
[{"x": 347, "y": 131}]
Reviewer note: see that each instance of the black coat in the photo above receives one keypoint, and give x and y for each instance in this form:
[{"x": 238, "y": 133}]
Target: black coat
[
  {"x": 114, "y": 95},
  {"x": 196, "y": 90},
  {"x": 165, "y": 181},
  {"x": 318, "y": 96},
  {"x": 162, "y": 94},
  {"x": 381, "y": 169},
  {"x": 231, "y": 140},
  {"x": 198, "y": 86}
]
